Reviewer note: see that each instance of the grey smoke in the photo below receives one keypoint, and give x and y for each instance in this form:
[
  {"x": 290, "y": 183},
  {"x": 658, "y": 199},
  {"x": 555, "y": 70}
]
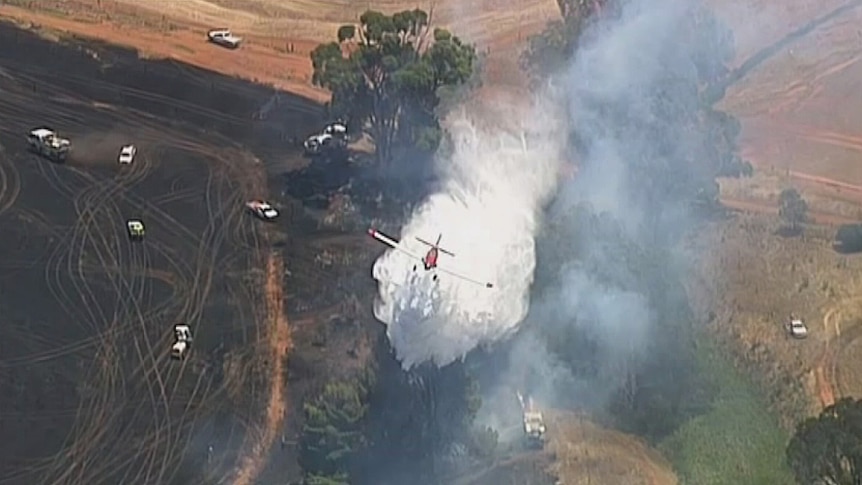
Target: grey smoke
[{"x": 631, "y": 144}]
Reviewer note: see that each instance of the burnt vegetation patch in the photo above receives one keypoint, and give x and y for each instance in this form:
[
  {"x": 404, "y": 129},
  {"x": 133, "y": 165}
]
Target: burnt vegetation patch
[
  {"x": 86, "y": 316},
  {"x": 168, "y": 89}
]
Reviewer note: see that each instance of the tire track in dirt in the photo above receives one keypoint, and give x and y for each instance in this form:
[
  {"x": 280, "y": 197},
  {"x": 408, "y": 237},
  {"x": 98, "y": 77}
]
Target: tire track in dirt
[
  {"x": 91, "y": 454},
  {"x": 825, "y": 389},
  {"x": 92, "y": 201},
  {"x": 840, "y": 377},
  {"x": 10, "y": 183},
  {"x": 842, "y": 332},
  {"x": 716, "y": 93},
  {"x": 208, "y": 246},
  {"x": 771, "y": 208},
  {"x": 277, "y": 335},
  {"x": 99, "y": 202},
  {"x": 96, "y": 199},
  {"x": 828, "y": 137}
]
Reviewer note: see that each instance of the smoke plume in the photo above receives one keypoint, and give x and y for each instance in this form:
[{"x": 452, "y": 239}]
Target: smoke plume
[
  {"x": 607, "y": 269},
  {"x": 502, "y": 169}
]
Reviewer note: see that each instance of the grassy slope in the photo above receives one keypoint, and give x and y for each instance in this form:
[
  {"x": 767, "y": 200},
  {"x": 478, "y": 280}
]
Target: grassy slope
[{"x": 738, "y": 442}]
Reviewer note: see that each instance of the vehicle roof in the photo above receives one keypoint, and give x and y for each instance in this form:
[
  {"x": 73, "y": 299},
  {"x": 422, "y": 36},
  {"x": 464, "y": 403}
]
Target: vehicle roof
[
  {"x": 42, "y": 132},
  {"x": 225, "y": 32},
  {"x": 181, "y": 325},
  {"x": 134, "y": 222}
]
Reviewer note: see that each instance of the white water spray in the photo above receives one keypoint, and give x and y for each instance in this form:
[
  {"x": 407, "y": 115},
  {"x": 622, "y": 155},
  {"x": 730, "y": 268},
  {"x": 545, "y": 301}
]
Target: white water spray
[{"x": 495, "y": 184}]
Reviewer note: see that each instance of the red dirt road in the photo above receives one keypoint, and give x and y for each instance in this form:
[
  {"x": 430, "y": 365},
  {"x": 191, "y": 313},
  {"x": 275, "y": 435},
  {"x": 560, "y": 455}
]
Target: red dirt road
[
  {"x": 266, "y": 61},
  {"x": 279, "y": 345}
]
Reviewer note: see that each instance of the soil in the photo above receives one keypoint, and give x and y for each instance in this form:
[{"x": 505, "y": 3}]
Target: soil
[
  {"x": 587, "y": 453},
  {"x": 280, "y": 35},
  {"x": 800, "y": 129},
  {"x": 90, "y": 393}
]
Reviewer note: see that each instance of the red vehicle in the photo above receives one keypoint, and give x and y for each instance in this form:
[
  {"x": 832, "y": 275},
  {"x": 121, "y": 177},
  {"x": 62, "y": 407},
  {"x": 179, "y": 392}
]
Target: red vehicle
[{"x": 429, "y": 260}]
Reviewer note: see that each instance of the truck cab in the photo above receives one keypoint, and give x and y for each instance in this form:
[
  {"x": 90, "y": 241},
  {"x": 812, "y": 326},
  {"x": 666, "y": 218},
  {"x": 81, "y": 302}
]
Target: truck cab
[
  {"x": 534, "y": 428},
  {"x": 332, "y": 138},
  {"x": 182, "y": 341},
  {"x": 796, "y": 328},
  {"x": 45, "y": 142},
  {"x": 224, "y": 38}
]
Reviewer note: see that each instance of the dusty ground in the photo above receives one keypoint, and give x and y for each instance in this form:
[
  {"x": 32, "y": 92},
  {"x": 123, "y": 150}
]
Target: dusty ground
[
  {"x": 800, "y": 123},
  {"x": 88, "y": 315},
  {"x": 279, "y": 34},
  {"x": 89, "y": 393},
  {"x": 797, "y": 106},
  {"x": 587, "y": 453},
  {"x": 578, "y": 452}
]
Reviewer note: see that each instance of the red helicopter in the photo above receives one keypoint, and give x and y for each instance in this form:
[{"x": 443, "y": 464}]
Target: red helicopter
[{"x": 429, "y": 261}]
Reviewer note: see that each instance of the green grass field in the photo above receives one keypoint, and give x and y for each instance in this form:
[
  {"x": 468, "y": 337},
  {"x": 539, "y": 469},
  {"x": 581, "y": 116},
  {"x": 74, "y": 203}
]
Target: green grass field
[{"x": 738, "y": 442}]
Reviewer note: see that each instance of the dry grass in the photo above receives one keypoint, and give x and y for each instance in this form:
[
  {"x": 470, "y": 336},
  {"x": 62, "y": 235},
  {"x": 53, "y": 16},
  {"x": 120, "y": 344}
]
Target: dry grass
[
  {"x": 800, "y": 129},
  {"x": 755, "y": 278},
  {"x": 587, "y": 453},
  {"x": 766, "y": 185},
  {"x": 318, "y": 20}
]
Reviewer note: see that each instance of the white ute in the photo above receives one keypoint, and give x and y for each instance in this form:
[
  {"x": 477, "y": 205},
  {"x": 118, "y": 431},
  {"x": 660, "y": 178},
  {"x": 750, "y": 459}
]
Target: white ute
[
  {"x": 534, "y": 422},
  {"x": 796, "y": 327},
  {"x": 334, "y": 135},
  {"x": 224, "y": 38},
  {"x": 262, "y": 210},
  {"x": 127, "y": 154},
  {"x": 534, "y": 427},
  {"x": 45, "y": 142},
  {"x": 182, "y": 341}
]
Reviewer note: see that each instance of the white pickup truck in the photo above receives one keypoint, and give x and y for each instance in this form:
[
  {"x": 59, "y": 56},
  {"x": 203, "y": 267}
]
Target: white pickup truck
[
  {"x": 182, "y": 341},
  {"x": 47, "y": 143},
  {"x": 796, "y": 328},
  {"x": 534, "y": 428},
  {"x": 224, "y": 38},
  {"x": 333, "y": 137}
]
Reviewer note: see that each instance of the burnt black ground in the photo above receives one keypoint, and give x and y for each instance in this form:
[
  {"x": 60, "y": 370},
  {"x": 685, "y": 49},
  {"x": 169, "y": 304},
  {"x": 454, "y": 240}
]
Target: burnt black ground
[{"x": 88, "y": 394}]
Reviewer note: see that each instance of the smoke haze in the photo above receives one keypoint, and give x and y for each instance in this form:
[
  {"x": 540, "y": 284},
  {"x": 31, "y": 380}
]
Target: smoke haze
[
  {"x": 502, "y": 170},
  {"x": 607, "y": 265}
]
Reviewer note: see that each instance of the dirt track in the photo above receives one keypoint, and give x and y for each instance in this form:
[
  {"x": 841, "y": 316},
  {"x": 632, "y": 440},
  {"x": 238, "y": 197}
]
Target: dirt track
[{"x": 90, "y": 394}]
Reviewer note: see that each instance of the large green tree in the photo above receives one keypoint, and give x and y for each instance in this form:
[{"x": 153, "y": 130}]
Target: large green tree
[
  {"x": 792, "y": 208},
  {"x": 333, "y": 434},
  {"x": 385, "y": 73},
  {"x": 828, "y": 449},
  {"x": 548, "y": 50}
]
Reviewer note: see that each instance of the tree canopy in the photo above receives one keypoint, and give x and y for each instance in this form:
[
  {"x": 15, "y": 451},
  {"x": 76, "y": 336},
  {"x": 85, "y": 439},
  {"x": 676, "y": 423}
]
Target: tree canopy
[
  {"x": 332, "y": 434},
  {"x": 391, "y": 426},
  {"x": 551, "y": 48},
  {"x": 385, "y": 73},
  {"x": 848, "y": 238},
  {"x": 828, "y": 449},
  {"x": 792, "y": 208}
]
